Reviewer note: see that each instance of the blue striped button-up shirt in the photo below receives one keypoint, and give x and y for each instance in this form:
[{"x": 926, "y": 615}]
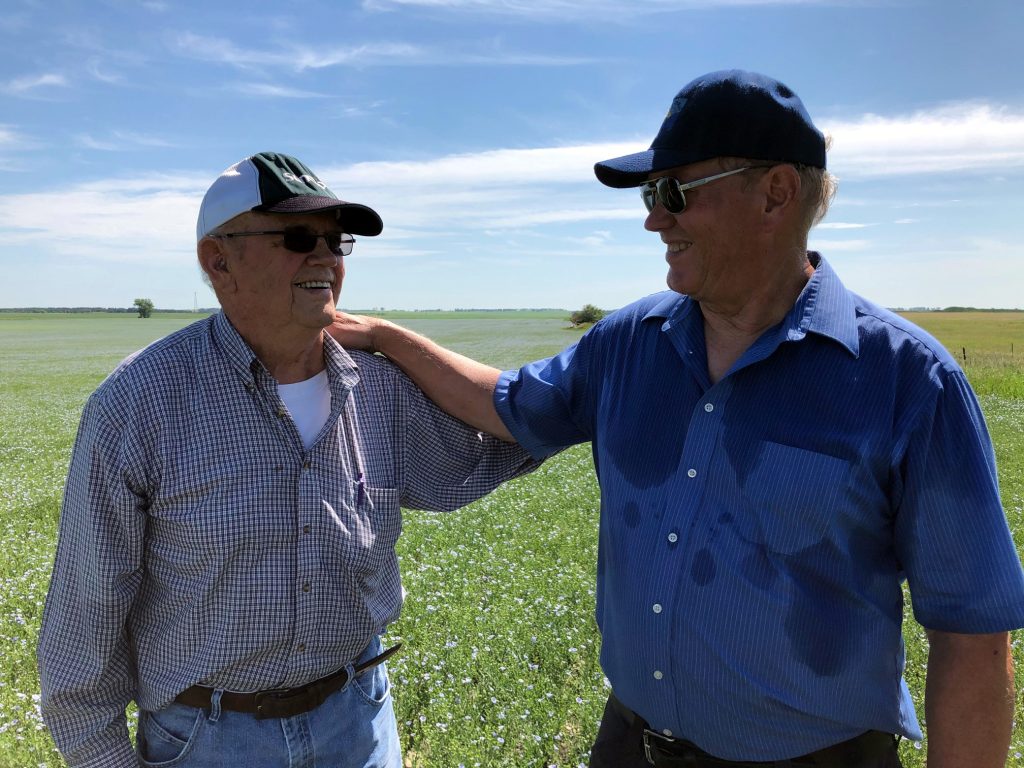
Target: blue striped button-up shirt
[
  {"x": 200, "y": 542},
  {"x": 754, "y": 533}
]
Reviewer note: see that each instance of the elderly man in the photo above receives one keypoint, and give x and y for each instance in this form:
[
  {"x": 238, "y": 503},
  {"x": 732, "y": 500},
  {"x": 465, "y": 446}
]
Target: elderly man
[
  {"x": 776, "y": 455},
  {"x": 226, "y": 554}
]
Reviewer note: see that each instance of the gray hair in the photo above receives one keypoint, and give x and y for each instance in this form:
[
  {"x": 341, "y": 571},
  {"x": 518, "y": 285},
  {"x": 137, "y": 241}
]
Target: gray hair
[{"x": 818, "y": 187}]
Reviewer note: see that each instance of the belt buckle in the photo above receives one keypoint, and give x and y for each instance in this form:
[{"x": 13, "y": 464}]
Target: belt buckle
[
  {"x": 277, "y": 696},
  {"x": 649, "y": 748}
]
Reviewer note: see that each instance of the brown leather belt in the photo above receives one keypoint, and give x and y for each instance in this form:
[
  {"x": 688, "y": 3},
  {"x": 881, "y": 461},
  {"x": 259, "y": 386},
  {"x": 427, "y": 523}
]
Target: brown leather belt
[
  {"x": 661, "y": 750},
  {"x": 282, "y": 702}
]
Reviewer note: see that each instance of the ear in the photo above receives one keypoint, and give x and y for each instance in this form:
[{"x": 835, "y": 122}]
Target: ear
[
  {"x": 781, "y": 184},
  {"x": 214, "y": 259}
]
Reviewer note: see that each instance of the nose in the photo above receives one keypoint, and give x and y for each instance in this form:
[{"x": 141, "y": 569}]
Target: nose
[
  {"x": 659, "y": 219},
  {"x": 321, "y": 254}
]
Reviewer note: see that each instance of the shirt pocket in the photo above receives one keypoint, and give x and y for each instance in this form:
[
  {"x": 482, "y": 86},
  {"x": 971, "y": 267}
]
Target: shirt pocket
[
  {"x": 795, "y": 495},
  {"x": 370, "y": 525}
]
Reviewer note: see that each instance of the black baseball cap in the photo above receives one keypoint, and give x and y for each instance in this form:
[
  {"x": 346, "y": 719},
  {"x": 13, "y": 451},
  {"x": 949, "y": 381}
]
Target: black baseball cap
[{"x": 731, "y": 113}]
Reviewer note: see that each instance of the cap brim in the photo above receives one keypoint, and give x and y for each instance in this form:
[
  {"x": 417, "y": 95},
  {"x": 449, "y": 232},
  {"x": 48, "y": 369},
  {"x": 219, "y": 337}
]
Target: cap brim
[
  {"x": 633, "y": 170},
  {"x": 354, "y": 218}
]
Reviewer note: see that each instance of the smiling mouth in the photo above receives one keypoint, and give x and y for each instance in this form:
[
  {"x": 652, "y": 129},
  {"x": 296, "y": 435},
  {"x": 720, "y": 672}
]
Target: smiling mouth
[
  {"x": 676, "y": 247},
  {"x": 313, "y": 285}
]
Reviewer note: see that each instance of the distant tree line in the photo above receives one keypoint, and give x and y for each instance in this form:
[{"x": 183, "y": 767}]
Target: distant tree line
[{"x": 83, "y": 310}]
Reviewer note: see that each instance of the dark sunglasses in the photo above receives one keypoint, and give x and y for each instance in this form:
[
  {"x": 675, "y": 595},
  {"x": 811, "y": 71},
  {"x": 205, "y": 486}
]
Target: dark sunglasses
[
  {"x": 669, "y": 191},
  {"x": 302, "y": 240}
]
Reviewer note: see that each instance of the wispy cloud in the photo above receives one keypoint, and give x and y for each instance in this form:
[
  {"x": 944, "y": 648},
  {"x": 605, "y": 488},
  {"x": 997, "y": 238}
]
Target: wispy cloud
[
  {"x": 25, "y": 85},
  {"x": 107, "y": 219},
  {"x": 11, "y": 145},
  {"x": 120, "y": 141},
  {"x": 573, "y": 9},
  {"x": 429, "y": 204},
  {"x": 271, "y": 91},
  {"x": 298, "y": 58},
  {"x": 96, "y": 69},
  {"x": 8, "y": 137},
  {"x": 953, "y": 137},
  {"x": 833, "y": 246}
]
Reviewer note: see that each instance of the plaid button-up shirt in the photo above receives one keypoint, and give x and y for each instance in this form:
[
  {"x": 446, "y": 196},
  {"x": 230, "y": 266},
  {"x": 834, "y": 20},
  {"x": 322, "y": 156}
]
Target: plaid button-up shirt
[{"x": 200, "y": 542}]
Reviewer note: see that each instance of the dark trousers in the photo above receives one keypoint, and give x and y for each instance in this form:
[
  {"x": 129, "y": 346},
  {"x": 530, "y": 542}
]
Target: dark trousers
[{"x": 619, "y": 744}]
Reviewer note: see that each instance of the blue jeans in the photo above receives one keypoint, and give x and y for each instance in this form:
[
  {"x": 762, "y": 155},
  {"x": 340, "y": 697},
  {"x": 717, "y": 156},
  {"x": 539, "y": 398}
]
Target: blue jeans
[{"x": 354, "y": 728}]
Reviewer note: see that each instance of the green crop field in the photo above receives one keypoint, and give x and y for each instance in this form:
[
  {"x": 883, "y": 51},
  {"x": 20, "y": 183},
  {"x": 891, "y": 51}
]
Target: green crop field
[{"x": 500, "y": 661}]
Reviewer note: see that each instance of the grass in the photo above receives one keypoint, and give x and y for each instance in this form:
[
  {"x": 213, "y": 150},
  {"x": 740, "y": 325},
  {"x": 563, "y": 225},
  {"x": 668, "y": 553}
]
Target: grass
[{"x": 500, "y": 665}]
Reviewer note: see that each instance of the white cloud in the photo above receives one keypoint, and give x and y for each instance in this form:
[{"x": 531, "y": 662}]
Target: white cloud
[
  {"x": 382, "y": 54},
  {"x": 953, "y": 137},
  {"x": 93, "y": 67},
  {"x": 139, "y": 219},
  {"x": 269, "y": 90},
  {"x": 574, "y": 9},
  {"x": 23, "y": 85},
  {"x": 831, "y": 246},
  {"x": 506, "y": 195},
  {"x": 9, "y": 137},
  {"x": 120, "y": 141}
]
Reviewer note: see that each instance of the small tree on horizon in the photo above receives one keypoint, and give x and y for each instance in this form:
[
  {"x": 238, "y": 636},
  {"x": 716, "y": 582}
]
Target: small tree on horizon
[
  {"x": 589, "y": 314},
  {"x": 145, "y": 307}
]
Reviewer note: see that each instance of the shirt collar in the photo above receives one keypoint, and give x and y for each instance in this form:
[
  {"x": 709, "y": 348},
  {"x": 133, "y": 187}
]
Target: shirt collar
[
  {"x": 231, "y": 344},
  {"x": 241, "y": 357},
  {"x": 824, "y": 307}
]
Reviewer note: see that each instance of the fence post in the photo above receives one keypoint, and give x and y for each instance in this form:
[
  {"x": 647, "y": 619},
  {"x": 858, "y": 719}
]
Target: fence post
[{"x": 964, "y": 349}]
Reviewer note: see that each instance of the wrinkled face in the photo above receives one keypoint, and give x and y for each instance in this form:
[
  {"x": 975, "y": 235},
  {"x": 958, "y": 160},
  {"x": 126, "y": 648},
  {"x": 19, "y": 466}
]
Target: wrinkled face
[
  {"x": 281, "y": 287},
  {"x": 707, "y": 246}
]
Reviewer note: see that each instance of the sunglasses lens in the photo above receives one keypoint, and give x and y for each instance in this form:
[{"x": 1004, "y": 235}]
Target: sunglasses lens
[
  {"x": 649, "y": 195},
  {"x": 665, "y": 191},
  {"x": 671, "y": 195},
  {"x": 339, "y": 243},
  {"x": 299, "y": 240}
]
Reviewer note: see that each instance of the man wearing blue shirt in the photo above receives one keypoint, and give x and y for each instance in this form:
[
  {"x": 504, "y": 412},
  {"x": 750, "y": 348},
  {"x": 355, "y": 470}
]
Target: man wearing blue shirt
[{"x": 776, "y": 455}]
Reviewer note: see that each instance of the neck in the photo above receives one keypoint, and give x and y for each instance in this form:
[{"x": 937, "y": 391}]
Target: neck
[
  {"x": 732, "y": 325},
  {"x": 289, "y": 355},
  {"x": 772, "y": 295}
]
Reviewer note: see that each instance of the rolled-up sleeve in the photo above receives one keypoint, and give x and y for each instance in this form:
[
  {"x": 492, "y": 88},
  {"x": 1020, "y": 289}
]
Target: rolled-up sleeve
[
  {"x": 86, "y": 669},
  {"x": 446, "y": 463}
]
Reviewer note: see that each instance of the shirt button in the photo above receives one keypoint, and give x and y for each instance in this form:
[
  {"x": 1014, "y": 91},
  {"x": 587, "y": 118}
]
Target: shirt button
[
  {"x": 305, "y": 529},
  {"x": 691, "y": 473},
  {"x": 709, "y": 407},
  {"x": 656, "y": 608},
  {"x": 305, "y": 465},
  {"x": 281, "y": 412},
  {"x": 673, "y": 537},
  {"x": 657, "y": 674},
  {"x": 305, "y": 587},
  {"x": 300, "y": 647}
]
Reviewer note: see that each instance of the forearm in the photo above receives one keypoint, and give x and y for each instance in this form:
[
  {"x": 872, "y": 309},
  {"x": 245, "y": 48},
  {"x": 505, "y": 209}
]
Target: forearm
[
  {"x": 461, "y": 386},
  {"x": 969, "y": 700}
]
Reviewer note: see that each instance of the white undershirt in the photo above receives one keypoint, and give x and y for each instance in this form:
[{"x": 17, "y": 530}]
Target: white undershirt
[{"x": 309, "y": 403}]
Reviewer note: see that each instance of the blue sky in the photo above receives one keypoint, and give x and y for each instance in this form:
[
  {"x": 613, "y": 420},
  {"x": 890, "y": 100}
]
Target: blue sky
[{"x": 472, "y": 127}]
